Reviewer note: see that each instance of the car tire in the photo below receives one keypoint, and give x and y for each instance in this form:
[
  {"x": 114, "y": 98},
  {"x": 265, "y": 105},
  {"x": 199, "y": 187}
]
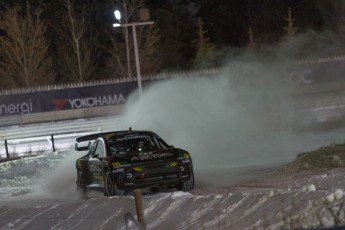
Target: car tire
[
  {"x": 110, "y": 188},
  {"x": 187, "y": 185},
  {"x": 81, "y": 185}
]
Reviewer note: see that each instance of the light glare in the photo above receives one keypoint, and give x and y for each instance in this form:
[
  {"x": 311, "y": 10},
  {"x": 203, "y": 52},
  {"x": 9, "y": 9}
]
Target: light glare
[{"x": 117, "y": 14}]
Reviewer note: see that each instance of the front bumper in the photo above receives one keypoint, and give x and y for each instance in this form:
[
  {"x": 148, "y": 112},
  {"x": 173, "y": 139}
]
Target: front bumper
[{"x": 159, "y": 173}]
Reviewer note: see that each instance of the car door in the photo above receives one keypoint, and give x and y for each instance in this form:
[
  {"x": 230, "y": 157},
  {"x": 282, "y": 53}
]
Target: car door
[{"x": 97, "y": 153}]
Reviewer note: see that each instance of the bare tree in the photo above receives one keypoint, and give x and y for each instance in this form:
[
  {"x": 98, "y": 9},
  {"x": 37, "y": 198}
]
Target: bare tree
[
  {"x": 78, "y": 49},
  {"x": 290, "y": 28},
  {"x": 122, "y": 47},
  {"x": 24, "y": 59},
  {"x": 204, "y": 49}
]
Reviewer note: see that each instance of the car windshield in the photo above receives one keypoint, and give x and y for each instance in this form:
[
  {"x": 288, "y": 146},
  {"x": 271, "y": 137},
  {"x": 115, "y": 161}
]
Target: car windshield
[{"x": 136, "y": 143}]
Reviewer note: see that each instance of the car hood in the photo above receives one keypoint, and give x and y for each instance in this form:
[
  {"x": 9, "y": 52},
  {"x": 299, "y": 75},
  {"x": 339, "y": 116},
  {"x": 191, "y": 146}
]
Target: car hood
[{"x": 149, "y": 156}]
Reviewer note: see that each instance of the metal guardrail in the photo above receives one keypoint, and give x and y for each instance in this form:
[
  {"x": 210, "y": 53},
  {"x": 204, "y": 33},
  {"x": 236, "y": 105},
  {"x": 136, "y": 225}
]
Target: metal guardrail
[
  {"x": 10, "y": 120},
  {"x": 52, "y": 116},
  {"x": 19, "y": 140}
]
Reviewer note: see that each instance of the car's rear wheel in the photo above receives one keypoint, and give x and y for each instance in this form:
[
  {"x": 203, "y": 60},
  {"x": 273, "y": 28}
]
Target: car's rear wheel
[
  {"x": 110, "y": 188},
  {"x": 81, "y": 185},
  {"x": 187, "y": 185}
]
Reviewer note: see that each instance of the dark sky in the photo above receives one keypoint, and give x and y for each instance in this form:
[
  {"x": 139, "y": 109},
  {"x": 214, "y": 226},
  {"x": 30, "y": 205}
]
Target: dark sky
[{"x": 228, "y": 20}]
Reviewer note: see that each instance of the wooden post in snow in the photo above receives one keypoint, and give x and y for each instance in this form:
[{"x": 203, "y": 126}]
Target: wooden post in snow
[{"x": 139, "y": 208}]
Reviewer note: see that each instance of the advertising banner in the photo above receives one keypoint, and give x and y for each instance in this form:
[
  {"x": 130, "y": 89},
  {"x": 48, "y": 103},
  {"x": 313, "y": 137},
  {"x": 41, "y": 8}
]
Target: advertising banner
[
  {"x": 66, "y": 99},
  {"x": 316, "y": 73}
]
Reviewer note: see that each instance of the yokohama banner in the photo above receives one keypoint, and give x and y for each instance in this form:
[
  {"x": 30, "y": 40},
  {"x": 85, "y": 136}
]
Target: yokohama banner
[{"x": 66, "y": 99}]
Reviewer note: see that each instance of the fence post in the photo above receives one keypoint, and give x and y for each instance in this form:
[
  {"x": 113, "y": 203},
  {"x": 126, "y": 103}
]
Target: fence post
[
  {"x": 139, "y": 208},
  {"x": 53, "y": 144},
  {"x": 6, "y": 147}
]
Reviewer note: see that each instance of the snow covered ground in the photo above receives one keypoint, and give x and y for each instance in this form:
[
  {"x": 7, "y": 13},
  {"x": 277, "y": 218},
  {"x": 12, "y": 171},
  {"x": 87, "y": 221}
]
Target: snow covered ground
[{"x": 40, "y": 193}]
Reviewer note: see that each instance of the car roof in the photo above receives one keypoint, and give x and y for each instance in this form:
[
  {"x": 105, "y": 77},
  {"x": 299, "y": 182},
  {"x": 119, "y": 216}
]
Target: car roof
[
  {"x": 125, "y": 133},
  {"x": 108, "y": 135}
]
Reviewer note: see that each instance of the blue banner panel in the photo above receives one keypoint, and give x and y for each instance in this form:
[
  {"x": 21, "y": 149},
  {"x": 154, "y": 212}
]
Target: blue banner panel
[{"x": 66, "y": 99}]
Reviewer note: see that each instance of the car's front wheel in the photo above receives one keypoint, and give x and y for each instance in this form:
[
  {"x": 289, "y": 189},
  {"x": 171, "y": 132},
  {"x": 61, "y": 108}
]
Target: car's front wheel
[
  {"x": 187, "y": 185},
  {"x": 110, "y": 188}
]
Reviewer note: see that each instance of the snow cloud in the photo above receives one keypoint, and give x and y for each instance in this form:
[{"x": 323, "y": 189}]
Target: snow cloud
[{"x": 223, "y": 126}]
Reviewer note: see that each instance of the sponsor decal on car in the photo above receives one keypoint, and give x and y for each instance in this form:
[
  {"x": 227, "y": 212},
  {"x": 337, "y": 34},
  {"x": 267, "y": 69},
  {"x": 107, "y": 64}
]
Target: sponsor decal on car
[
  {"x": 150, "y": 156},
  {"x": 118, "y": 170},
  {"x": 173, "y": 164},
  {"x": 187, "y": 160},
  {"x": 95, "y": 168},
  {"x": 116, "y": 164},
  {"x": 130, "y": 137}
]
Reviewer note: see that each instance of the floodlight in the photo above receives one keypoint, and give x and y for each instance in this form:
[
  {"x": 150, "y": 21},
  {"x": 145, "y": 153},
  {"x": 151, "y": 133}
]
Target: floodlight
[{"x": 117, "y": 14}]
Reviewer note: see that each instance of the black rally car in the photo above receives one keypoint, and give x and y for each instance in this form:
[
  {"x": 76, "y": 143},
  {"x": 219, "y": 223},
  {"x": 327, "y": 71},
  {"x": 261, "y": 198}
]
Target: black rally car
[{"x": 121, "y": 160}]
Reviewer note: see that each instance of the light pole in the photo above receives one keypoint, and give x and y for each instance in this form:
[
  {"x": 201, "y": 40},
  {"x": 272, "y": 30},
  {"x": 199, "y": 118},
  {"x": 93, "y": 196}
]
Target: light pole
[{"x": 136, "y": 50}]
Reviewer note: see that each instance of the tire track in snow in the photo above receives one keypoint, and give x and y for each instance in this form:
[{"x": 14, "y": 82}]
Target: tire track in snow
[{"x": 27, "y": 222}]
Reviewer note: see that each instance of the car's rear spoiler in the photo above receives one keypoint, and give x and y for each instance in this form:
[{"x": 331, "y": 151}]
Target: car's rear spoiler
[
  {"x": 88, "y": 138},
  {"x": 92, "y": 137}
]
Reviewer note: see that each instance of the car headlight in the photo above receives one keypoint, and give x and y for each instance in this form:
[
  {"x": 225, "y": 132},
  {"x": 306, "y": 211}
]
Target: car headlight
[{"x": 184, "y": 157}]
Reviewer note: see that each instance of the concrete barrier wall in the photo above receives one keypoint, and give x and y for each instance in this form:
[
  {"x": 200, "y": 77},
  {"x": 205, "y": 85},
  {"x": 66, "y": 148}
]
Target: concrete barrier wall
[
  {"x": 23, "y": 119},
  {"x": 72, "y": 114}
]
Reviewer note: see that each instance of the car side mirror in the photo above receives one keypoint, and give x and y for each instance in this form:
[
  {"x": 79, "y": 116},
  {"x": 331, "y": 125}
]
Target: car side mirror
[{"x": 81, "y": 147}]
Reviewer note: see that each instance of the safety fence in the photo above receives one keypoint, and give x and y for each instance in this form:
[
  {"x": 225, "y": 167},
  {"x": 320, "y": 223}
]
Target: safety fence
[
  {"x": 36, "y": 138},
  {"x": 160, "y": 76}
]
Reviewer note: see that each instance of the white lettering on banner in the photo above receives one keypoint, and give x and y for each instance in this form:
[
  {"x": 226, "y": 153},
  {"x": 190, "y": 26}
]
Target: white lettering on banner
[
  {"x": 19, "y": 108},
  {"x": 298, "y": 78},
  {"x": 87, "y": 102}
]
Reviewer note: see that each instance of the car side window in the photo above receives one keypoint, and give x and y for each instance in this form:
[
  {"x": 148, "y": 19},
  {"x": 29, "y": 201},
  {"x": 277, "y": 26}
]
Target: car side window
[
  {"x": 93, "y": 148},
  {"x": 100, "y": 149},
  {"x": 160, "y": 144}
]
